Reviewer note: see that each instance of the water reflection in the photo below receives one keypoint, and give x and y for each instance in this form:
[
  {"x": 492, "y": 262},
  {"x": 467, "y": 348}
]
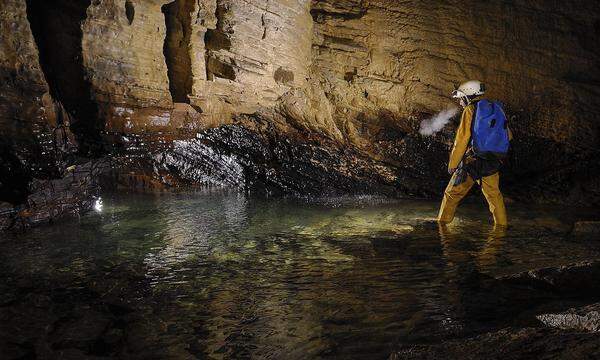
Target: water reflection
[
  {"x": 492, "y": 248},
  {"x": 190, "y": 232},
  {"x": 224, "y": 276},
  {"x": 454, "y": 243},
  {"x": 470, "y": 293}
]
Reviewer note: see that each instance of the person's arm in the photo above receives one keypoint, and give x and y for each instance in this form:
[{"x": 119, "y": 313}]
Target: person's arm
[{"x": 461, "y": 141}]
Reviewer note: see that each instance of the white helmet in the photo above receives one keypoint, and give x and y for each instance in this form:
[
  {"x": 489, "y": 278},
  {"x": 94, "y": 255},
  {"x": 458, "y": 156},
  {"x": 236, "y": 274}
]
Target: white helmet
[{"x": 469, "y": 88}]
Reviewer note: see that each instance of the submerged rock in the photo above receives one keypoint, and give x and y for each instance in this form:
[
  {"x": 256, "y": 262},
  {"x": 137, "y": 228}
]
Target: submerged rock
[
  {"x": 7, "y": 215},
  {"x": 82, "y": 329},
  {"x": 509, "y": 343},
  {"x": 514, "y": 297},
  {"x": 587, "y": 228},
  {"x": 574, "y": 279},
  {"x": 583, "y": 319}
]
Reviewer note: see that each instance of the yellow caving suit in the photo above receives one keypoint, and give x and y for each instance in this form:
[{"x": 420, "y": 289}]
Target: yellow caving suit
[{"x": 457, "y": 189}]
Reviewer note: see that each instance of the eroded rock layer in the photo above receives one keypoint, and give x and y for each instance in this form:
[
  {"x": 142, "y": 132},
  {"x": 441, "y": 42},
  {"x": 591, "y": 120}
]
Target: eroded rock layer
[{"x": 340, "y": 85}]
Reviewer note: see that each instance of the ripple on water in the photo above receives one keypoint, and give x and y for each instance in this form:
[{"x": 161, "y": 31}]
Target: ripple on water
[{"x": 223, "y": 275}]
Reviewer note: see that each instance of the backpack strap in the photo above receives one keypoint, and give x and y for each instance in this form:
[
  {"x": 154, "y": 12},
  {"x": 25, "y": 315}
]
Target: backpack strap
[
  {"x": 471, "y": 136},
  {"x": 477, "y": 162}
]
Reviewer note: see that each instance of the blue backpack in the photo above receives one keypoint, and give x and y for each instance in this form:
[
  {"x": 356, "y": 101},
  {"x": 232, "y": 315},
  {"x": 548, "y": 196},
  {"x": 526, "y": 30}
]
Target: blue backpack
[{"x": 489, "y": 130}]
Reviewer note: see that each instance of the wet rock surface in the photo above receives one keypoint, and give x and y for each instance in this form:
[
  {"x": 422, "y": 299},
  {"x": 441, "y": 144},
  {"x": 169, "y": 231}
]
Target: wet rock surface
[
  {"x": 586, "y": 318},
  {"x": 51, "y": 200},
  {"x": 341, "y": 74},
  {"x": 575, "y": 279},
  {"x": 254, "y": 155},
  {"x": 512, "y": 303},
  {"x": 268, "y": 162},
  {"x": 587, "y": 228},
  {"x": 7, "y": 212},
  {"x": 509, "y": 344}
]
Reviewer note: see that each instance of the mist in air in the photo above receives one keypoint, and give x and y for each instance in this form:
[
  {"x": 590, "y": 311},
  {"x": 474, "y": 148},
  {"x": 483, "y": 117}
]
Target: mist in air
[{"x": 436, "y": 123}]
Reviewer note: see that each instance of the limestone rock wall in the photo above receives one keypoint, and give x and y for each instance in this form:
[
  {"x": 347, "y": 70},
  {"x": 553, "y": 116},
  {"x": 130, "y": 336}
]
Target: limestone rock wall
[
  {"x": 358, "y": 73},
  {"x": 125, "y": 62},
  {"x": 405, "y": 57},
  {"x": 222, "y": 57},
  {"x": 25, "y": 128},
  {"x": 124, "y": 56},
  {"x": 256, "y": 51}
]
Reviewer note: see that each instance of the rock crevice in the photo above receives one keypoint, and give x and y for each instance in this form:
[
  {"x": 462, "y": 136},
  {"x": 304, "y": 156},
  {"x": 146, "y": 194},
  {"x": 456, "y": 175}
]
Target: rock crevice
[
  {"x": 178, "y": 21},
  {"x": 56, "y": 28}
]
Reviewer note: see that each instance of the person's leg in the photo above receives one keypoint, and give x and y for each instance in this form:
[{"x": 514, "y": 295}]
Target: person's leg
[
  {"x": 490, "y": 186},
  {"x": 452, "y": 197}
]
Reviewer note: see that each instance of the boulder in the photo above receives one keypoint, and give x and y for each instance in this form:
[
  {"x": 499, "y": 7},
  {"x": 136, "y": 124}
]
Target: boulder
[
  {"x": 586, "y": 318},
  {"x": 509, "y": 343},
  {"x": 587, "y": 228},
  {"x": 574, "y": 279}
]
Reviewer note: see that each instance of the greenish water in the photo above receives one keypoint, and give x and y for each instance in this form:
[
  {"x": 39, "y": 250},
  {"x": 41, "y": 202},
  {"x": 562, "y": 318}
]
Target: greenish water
[{"x": 220, "y": 275}]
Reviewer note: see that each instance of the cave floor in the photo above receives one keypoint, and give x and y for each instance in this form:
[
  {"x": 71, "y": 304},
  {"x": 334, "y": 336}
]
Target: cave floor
[{"x": 224, "y": 275}]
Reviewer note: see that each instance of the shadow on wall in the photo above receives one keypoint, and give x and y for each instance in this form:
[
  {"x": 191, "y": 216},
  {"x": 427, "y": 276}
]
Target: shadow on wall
[
  {"x": 129, "y": 11},
  {"x": 56, "y": 28},
  {"x": 13, "y": 177},
  {"x": 178, "y": 21}
]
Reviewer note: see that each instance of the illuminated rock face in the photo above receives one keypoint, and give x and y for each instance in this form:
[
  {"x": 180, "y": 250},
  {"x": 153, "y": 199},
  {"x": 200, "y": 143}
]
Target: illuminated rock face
[
  {"x": 350, "y": 75},
  {"x": 221, "y": 57}
]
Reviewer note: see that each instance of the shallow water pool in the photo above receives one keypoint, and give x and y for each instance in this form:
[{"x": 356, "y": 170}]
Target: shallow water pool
[{"x": 222, "y": 275}]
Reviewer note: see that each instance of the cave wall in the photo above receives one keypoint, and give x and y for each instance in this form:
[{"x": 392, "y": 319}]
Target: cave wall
[
  {"x": 256, "y": 52},
  {"x": 56, "y": 28},
  {"x": 26, "y": 147},
  {"x": 347, "y": 61},
  {"x": 538, "y": 57},
  {"x": 178, "y": 21},
  {"x": 383, "y": 62},
  {"x": 358, "y": 73},
  {"x": 236, "y": 56},
  {"x": 125, "y": 62}
]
